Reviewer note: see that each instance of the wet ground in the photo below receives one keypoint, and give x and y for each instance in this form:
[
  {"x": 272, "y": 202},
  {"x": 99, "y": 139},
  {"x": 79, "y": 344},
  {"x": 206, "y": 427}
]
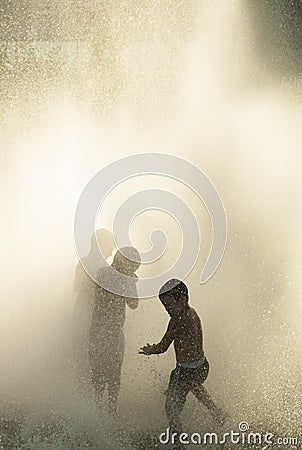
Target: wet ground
[{"x": 22, "y": 429}]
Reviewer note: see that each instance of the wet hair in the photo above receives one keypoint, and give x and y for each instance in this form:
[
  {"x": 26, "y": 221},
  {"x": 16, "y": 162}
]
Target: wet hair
[
  {"x": 173, "y": 288},
  {"x": 103, "y": 239},
  {"x": 129, "y": 254}
]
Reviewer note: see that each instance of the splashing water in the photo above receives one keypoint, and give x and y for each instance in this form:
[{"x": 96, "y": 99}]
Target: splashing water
[{"x": 177, "y": 77}]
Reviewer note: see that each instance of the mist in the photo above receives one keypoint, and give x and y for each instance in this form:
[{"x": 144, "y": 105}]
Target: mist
[{"x": 185, "y": 78}]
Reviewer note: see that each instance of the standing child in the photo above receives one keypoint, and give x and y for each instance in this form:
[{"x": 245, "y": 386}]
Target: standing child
[
  {"x": 106, "y": 336},
  {"x": 85, "y": 287},
  {"x": 192, "y": 367}
]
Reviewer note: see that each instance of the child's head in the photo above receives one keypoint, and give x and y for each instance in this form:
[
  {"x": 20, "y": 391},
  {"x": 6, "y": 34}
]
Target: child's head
[
  {"x": 174, "y": 296},
  {"x": 126, "y": 260},
  {"x": 103, "y": 239}
]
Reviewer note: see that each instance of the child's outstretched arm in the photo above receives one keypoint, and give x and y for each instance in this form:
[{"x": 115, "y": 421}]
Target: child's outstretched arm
[
  {"x": 132, "y": 303},
  {"x": 164, "y": 344}
]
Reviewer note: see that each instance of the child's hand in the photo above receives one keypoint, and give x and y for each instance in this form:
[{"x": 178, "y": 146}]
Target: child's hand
[{"x": 146, "y": 350}]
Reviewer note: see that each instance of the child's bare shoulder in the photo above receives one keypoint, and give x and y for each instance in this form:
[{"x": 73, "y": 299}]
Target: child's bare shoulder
[{"x": 194, "y": 313}]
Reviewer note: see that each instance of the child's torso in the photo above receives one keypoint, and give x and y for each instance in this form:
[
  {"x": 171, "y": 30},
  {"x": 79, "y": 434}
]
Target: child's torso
[{"x": 188, "y": 342}]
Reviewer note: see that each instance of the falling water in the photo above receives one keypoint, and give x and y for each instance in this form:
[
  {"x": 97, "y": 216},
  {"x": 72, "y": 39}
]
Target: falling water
[{"x": 182, "y": 77}]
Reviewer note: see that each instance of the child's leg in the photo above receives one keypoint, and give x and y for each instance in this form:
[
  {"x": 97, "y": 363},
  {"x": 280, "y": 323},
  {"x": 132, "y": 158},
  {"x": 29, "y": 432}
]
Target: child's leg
[
  {"x": 176, "y": 397},
  {"x": 114, "y": 385},
  {"x": 204, "y": 397},
  {"x": 97, "y": 375},
  {"x": 114, "y": 371},
  {"x": 81, "y": 321},
  {"x": 202, "y": 394}
]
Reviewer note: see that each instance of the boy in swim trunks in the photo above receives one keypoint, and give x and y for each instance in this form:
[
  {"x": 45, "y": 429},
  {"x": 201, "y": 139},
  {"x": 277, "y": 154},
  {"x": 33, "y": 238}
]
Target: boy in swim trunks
[{"x": 192, "y": 367}]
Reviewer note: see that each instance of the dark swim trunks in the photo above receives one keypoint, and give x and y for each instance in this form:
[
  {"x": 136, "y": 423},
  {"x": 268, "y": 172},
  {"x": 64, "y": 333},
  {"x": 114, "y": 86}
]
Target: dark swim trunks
[{"x": 184, "y": 378}]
